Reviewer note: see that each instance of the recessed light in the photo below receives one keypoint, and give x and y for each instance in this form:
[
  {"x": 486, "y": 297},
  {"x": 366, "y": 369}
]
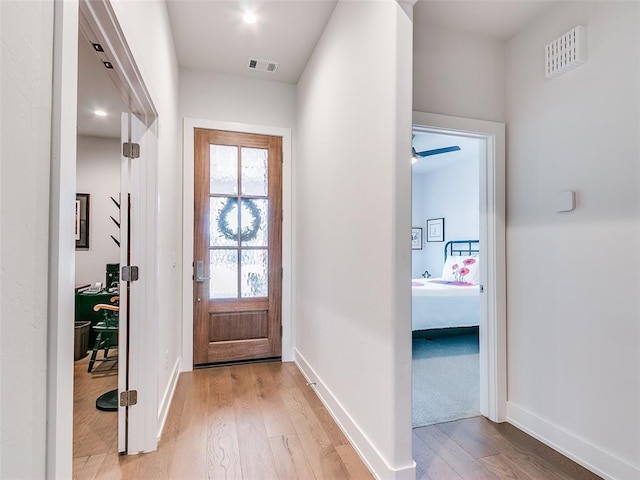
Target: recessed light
[
  {"x": 100, "y": 113},
  {"x": 250, "y": 18}
]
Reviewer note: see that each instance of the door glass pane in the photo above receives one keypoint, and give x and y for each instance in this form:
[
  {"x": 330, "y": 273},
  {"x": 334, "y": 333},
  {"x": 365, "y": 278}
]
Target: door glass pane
[
  {"x": 223, "y": 221},
  {"x": 254, "y": 270},
  {"x": 254, "y": 219},
  {"x": 223, "y": 270},
  {"x": 223, "y": 169},
  {"x": 254, "y": 171}
]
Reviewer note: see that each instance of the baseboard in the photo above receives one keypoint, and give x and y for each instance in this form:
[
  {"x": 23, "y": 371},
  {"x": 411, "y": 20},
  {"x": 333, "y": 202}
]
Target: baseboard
[
  {"x": 363, "y": 446},
  {"x": 580, "y": 451},
  {"x": 163, "y": 411}
]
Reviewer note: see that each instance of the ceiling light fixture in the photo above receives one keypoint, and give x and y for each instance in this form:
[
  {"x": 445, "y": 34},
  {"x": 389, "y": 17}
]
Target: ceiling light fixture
[
  {"x": 250, "y": 18},
  {"x": 100, "y": 113}
]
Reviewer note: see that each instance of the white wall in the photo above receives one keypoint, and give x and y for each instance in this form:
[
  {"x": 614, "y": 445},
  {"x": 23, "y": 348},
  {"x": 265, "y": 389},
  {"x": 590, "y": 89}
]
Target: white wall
[
  {"x": 573, "y": 308},
  {"x": 352, "y": 223},
  {"x": 451, "y": 193},
  {"x": 25, "y": 106},
  {"x": 228, "y": 98},
  {"x": 98, "y": 174},
  {"x": 457, "y": 73},
  {"x": 153, "y": 50}
]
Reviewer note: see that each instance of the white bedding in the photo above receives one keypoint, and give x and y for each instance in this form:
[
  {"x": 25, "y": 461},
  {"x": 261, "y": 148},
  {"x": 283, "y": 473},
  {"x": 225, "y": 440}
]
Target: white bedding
[{"x": 444, "y": 305}]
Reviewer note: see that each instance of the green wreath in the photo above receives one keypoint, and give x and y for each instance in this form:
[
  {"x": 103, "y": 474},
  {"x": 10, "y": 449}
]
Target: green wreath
[{"x": 249, "y": 233}]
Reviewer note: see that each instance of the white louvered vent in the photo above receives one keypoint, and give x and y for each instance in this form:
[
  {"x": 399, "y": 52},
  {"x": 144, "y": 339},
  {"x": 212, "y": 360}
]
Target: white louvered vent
[
  {"x": 262, "y": 65},
  {"x": 566, "y": 52}
]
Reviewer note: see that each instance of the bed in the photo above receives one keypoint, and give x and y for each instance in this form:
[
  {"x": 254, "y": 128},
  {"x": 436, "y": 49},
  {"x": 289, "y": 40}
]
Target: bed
[{"x": 453, "y": 299}]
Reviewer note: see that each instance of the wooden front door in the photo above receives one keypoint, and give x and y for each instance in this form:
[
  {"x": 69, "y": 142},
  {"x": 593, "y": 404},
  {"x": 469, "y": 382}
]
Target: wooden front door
[{"x": 238, "y": 246}]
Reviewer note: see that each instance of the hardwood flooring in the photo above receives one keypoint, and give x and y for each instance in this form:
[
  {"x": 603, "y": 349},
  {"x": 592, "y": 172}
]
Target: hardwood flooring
[
  {"x": 94, "y": 432},
  {"x": 262, "y": 422},
  {"x": 477, "y": 449},
  {"x": 251, "y": 422}
]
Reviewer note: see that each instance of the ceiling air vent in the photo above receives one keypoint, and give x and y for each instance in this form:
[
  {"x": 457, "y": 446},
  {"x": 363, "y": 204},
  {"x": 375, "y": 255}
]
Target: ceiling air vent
[{"x": 262, "y": 65}]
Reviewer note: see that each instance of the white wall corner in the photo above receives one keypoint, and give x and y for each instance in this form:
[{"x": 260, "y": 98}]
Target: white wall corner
[
  {"x": 579, "y": 450},
  {"x": 367, "y": 451}
]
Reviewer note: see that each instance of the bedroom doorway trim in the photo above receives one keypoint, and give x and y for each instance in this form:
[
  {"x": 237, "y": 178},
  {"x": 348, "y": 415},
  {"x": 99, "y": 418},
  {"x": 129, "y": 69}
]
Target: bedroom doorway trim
[{"x": 493, "y": 339}]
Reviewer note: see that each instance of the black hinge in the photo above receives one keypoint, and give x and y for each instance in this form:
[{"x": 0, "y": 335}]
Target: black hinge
[
  {"x": 128, "y": 398},
  {"x": 129, "y": 273},
  {"x": 131, "y": 150}
]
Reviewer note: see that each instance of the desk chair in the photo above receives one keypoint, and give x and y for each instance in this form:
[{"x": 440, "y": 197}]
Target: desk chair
[{"x": 107, "y": 331}]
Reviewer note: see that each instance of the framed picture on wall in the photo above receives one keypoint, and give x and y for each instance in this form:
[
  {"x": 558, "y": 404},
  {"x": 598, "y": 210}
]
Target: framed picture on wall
[
  {"x": 416, "y": 238},
  {"x": 82, "y": 221},
  {"x": 435, "y": 230}
]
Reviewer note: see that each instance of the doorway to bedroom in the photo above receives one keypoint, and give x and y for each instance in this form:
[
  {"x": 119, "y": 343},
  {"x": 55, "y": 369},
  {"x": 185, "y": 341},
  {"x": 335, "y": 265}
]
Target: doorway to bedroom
[
  {"x": 445, "y": 277},
  {"x": 489, "y": 255}
]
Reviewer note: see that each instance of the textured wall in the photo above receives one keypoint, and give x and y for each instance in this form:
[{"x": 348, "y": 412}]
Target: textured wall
[{"x": 25, "y": 89}]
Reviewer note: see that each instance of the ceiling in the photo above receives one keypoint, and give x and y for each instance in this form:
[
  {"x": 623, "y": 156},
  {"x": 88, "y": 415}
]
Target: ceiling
[
  {"x": 497, "y": 19},
  {"x": 96, "y": 91},
  {"x": 210, "y": 35}
]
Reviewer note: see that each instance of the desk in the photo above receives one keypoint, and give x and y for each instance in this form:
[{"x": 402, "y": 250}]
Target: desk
[{"x": 85, "y": 313}]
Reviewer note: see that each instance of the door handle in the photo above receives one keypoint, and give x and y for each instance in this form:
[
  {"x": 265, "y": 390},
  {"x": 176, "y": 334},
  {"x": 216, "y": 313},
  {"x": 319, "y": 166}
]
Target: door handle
[{"x": 200, "y": 272}]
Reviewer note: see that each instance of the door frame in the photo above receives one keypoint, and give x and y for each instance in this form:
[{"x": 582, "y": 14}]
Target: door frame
[
  {"x": 61, "y": 266},
  {"x": 493, "y": 328},
  {"x": 288, "y": 327}
]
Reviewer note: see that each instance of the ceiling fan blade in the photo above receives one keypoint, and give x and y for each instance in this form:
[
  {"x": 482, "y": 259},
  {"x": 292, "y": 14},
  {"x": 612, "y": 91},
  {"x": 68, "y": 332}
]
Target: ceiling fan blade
[{"x": 437, "y": 151}]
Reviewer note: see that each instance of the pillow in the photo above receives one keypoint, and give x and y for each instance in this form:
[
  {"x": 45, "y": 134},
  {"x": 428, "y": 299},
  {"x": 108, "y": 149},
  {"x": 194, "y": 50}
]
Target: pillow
[{"x": 463, "y": 269}]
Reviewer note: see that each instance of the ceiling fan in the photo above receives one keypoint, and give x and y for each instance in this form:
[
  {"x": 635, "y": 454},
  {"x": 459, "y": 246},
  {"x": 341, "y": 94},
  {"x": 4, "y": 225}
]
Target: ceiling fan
[{"x": 435, "y": 151}]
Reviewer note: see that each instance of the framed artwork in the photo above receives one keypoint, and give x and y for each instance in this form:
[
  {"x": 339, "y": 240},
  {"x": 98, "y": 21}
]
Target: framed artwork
[
  {"x": 416, "y": 238},
  {"x": 435, "y": 230},
  {"x": 82, "y": 221}
]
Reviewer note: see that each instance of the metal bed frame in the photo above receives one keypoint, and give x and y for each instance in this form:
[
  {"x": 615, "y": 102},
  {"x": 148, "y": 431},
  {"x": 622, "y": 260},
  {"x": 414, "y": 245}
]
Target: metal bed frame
[{"x": 461, "y": 247}]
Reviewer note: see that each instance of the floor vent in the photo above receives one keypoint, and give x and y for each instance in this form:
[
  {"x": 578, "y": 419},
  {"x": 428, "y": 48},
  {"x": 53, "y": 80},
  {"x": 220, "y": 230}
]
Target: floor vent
[{"x": 262, "y": 65}]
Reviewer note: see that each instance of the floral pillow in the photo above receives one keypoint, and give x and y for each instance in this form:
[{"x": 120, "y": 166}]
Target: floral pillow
[{"x": 463, "y": 269}]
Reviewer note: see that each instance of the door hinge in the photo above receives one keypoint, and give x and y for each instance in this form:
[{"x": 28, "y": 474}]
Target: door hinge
[
  {"x": 128, "y": 398},
  {"x": 131, "y": 150},
  {"x": 129, "y": 273},
  {"x": 481, "y": 288}
]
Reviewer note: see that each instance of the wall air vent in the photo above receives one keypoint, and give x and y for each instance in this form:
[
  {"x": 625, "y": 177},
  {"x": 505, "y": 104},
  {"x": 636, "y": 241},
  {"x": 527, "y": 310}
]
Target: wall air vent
[
  {"x": 566, "y": 52},
  {"x": 262, "y": 65}
]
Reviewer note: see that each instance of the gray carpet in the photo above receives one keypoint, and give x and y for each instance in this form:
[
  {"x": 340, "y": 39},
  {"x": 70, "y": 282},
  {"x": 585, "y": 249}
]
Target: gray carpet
[{"x": 446, "y": 384}]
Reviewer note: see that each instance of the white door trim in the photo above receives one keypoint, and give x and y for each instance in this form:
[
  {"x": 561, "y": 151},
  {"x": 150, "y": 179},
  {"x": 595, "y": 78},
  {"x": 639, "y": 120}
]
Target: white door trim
[
  {"x": 189, "y": 125},
  {"x": 493, "y": 339},
  {"x": 59, "y": 442}
]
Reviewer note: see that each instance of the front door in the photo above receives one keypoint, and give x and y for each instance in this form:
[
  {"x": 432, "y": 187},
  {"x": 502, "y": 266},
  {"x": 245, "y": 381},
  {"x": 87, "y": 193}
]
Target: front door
[{"x": 238, "y": 246}]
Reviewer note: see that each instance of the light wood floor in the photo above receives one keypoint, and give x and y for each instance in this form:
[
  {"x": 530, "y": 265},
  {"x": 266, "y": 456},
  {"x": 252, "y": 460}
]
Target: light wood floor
[
  {"x": 251, "y": 422},
  {"x": 262, "y": 422},
  {"x": 477, "y": 449},
  {"x": 94, "y": 432}
]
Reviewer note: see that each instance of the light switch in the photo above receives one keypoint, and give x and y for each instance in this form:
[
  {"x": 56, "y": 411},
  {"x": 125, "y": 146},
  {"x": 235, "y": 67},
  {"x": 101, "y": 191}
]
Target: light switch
[{"x": 564, "y": 201}]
